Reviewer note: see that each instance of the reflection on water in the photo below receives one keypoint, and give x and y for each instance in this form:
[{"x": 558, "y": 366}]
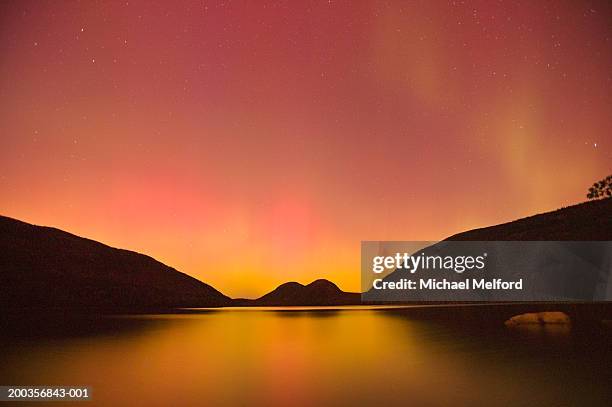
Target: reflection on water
[{"x": 304, "y": 357}]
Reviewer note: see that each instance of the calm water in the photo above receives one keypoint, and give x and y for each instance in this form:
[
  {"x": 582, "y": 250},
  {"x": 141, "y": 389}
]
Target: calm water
[{"x": 302, "y": 357}]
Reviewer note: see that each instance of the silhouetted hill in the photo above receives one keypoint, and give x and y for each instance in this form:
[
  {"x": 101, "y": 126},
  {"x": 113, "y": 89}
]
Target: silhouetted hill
[
  {"x": 580, "y": 267},
  {"x": 586, "y": 221},
  {"x": 319, "y": 292},
  {"x": 47, "y": 267}
]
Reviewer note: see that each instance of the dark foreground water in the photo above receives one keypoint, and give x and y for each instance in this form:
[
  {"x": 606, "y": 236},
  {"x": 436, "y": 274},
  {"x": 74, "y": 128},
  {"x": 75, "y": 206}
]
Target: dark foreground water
[{"x": 304, "y": 357}]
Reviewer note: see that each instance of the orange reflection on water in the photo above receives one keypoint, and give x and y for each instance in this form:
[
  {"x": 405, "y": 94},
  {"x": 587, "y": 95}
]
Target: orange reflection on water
[{"x": 280, "y": 357}]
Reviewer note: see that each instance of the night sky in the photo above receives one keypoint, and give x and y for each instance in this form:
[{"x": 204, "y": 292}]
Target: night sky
[{"x": 253, "y": 143}]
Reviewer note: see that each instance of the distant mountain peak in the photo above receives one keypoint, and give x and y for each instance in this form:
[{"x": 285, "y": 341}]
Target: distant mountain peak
[
  {"x": 323, "y": 283},
  {"x": 318, "y": 292}
]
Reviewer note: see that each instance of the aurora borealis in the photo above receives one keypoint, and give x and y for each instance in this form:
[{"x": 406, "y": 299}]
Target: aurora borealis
[{"x": 253, "y": 143}]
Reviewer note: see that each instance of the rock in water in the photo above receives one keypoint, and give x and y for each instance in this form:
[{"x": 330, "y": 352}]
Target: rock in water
[{"x": 539, "y": 318}]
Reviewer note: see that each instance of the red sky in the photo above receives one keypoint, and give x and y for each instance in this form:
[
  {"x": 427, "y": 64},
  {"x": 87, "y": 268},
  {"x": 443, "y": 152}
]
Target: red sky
[{"x": 253, "y": 143}]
